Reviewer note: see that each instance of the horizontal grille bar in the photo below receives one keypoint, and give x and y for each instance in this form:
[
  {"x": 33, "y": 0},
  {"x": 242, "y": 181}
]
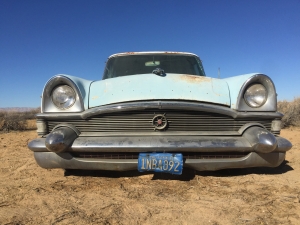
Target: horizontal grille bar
[{"x": 142, "y": 121}]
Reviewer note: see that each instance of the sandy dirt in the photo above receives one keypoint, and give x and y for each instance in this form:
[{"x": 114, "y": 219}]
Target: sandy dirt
[{"x": 32, "y": 195}]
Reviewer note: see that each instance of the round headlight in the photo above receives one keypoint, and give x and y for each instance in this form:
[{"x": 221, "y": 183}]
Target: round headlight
[
  {"x": 63, "y": 97},
  {"x": 256, "y": 95}
]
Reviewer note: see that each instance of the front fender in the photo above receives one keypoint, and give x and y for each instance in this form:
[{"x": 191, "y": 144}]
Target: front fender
[{"x": 237, "y": 86}]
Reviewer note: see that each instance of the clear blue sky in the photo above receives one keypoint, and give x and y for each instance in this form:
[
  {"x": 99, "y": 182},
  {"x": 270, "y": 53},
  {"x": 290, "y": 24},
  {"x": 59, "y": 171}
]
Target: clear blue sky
[{"x": 39, "y": 39}]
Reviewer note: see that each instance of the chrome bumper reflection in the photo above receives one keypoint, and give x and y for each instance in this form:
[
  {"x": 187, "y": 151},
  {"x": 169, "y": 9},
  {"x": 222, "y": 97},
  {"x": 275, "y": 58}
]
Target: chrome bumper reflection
[{"x": 254, "y": 139}]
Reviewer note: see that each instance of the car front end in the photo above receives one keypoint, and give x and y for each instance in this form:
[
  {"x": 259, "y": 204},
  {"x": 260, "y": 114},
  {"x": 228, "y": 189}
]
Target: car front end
[{"x": 146, "y": 121}]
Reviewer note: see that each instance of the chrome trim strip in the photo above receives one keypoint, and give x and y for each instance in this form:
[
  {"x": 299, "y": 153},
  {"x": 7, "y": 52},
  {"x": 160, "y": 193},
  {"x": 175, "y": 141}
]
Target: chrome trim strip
[
  {"x": 131, "y": 106},
  {"x": 158, "y": 133},
  {"x": 166, "y": 143},
  {"x": 150, "y": 144}
]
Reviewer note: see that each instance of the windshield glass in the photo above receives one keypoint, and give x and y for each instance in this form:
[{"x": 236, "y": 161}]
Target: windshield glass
[{"x": 142, "y": 64}]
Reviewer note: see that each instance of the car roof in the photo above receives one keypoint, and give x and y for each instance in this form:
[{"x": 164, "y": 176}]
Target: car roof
[{"x": 151, "y": 52}]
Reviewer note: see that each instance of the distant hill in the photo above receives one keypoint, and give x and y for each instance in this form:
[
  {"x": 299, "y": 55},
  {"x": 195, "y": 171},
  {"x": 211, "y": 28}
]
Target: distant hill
[{"x": 17, "y": 109}]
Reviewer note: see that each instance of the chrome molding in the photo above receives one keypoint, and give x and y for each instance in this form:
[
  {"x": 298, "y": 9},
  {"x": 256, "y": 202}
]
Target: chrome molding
[
  {"x": 178, "y": 105},
  {"x": 270, "y": 104},
  {"x": 255, "y": 139},
  {"x": 48, "y": 105}
]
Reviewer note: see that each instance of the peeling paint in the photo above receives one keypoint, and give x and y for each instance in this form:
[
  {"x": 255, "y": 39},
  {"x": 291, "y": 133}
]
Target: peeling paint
[{"x": 193, "y": 79}]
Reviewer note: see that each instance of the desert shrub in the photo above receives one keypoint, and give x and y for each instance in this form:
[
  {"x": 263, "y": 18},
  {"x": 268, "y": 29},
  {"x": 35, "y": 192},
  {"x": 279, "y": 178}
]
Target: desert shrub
[
  {"x": 14, "y": 120},
  {"x": 29, "y": 115},
  {"x": 291, "y": 111},
  {"x": 2, "y": 114}
]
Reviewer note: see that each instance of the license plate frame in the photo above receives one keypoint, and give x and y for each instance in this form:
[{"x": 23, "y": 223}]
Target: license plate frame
[{"x": 161, "y": 162}]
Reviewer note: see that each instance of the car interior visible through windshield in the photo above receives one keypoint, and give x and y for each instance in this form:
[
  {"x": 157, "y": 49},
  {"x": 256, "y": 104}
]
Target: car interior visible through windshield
[{"x": 145, "y": 64}]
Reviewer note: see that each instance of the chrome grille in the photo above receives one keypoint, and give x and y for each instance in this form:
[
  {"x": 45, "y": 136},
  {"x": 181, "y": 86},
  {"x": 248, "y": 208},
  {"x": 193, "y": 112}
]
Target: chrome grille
[{"x": 141, "y": 122}]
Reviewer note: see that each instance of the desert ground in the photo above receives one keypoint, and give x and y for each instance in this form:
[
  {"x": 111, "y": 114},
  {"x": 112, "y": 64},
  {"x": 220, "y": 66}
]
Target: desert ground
[{"x": 32, "y": 195}]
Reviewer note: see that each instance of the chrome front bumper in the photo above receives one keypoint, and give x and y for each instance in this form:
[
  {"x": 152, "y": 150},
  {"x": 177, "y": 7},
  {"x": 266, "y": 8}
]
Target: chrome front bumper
[
  {"x": 55, "y": 151},
  {"x": 65, "y": 160}
]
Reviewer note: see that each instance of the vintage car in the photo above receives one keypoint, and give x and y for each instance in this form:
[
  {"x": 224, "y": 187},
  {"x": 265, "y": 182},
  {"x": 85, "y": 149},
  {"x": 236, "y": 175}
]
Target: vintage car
[{"x": 157, "y": 111}]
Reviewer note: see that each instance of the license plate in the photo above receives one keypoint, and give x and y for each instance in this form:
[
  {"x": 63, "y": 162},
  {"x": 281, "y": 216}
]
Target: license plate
[{"x": 161, "y": 162}]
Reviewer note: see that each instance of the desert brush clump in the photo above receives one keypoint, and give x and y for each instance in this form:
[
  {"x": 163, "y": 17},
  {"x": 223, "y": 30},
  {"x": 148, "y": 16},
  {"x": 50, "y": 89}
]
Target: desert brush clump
[
  {"x": 16, "y": 121},
  {"x": 291, "y": 111}
]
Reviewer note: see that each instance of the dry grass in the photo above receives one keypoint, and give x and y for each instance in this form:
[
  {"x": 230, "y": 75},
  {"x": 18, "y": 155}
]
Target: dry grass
[
  {"x": 31, "y": 124},
  {"x": 291, "y": 111},
  {"x": 14, "y": 120}
]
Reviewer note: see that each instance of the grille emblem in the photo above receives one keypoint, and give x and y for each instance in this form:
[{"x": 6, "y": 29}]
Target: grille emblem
[{"x": 159, "y": 122}]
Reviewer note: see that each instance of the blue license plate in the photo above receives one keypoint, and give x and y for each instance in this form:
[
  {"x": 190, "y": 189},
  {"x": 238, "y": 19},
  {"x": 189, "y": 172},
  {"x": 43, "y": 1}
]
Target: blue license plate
[{"x": 161, "y": 162}]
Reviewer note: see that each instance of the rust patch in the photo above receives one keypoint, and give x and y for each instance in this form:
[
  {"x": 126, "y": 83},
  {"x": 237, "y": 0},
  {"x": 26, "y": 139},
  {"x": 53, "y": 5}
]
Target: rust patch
[
  {"x": 193, "y": 78},
  {"x": 122, "y": 54}
]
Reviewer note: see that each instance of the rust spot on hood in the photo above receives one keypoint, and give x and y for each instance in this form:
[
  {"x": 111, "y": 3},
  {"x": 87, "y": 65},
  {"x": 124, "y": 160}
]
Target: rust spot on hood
[{"x": 194, "y": 78}]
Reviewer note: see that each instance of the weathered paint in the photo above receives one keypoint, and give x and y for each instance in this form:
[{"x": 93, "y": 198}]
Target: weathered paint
[
  {"x": 193, "y": 79},
  {"x": 234, "y": 84},
  {"x": 153, "y": 87},
  {"x": 171, "y": 87}
]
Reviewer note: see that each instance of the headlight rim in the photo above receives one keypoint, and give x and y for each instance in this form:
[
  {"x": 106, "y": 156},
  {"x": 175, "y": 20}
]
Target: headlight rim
[
  {"x": 47, "y": 105},
  {"x": 265, "y": 98},
  {"x": 74, "y": 96}
]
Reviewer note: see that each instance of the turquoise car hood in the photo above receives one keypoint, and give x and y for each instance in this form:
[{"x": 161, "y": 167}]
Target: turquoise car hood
[{"x": 153, "y": 87}]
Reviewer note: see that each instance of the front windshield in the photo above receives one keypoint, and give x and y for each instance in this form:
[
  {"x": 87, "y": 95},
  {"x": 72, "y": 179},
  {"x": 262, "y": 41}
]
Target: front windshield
[{"x": 143, "y": 64}]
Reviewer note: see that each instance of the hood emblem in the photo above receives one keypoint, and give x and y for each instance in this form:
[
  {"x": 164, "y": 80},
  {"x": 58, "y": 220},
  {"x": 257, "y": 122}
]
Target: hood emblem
[{"x": 159, "y": 122}]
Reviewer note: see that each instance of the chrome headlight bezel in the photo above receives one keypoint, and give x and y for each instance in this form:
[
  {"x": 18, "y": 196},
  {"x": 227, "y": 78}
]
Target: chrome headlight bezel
[
  {"x": 47, "y": 98},
  {"x": 256, "y": 95},
  {"x": 270, "y": 104},
  {"x": 63, "y": 97}
]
